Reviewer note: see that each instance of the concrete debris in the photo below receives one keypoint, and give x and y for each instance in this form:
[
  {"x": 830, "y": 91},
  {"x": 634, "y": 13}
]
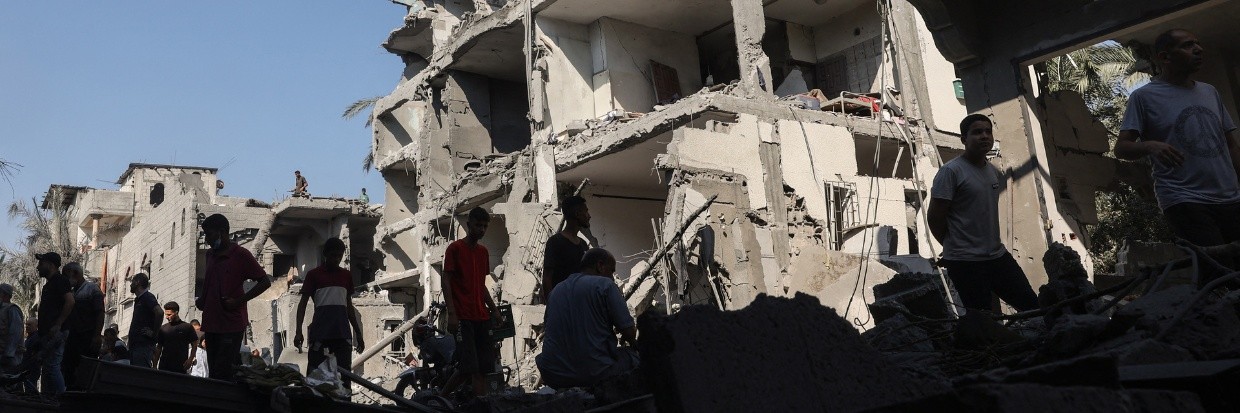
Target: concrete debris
[
  {"x": 1031, "y": 398},
  {"x": 778, "y": 354}
]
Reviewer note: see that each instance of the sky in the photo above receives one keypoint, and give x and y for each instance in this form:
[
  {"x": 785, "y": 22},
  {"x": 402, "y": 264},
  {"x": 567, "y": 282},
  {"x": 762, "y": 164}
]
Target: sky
[{"x": 255, "y": 88}]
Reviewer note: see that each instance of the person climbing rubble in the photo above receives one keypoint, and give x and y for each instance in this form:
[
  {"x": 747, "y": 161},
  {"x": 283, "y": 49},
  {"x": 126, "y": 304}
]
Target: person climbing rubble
[
  {"x": 964, "y": 217},
  {"x": 579, "y": 344},
  {"x": 471, "y": 310},
  {"x": 564, "y": 250},
  {"x": 1182, "y": 126}
]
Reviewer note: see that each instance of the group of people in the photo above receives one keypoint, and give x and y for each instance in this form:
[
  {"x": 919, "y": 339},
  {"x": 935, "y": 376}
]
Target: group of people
[{"x": 1176, "y": 122}]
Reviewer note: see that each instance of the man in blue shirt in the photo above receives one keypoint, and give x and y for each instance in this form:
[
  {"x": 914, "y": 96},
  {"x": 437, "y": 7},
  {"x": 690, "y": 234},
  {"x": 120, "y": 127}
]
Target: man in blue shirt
[{"x": 583, "y": 314}]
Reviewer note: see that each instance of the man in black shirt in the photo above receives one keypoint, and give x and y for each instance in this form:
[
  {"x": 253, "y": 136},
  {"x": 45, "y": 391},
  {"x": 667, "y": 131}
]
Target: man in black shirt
[
  {"x": 85, "y": 322},
  {"x": 564, "y": 249},
  {"x": 144, "y": 325},
  {"x": 176, "y": 343},
  {"x": 55, "y": 305}
]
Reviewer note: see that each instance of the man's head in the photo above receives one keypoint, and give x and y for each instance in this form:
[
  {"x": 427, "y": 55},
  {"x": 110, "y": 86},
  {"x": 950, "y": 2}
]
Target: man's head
[
  {"x": 197, "y": 325},
  {"x": 32, "y": 325},
  {"x": 171, "y": 310},
  {"x": 598, "y": 261},
  {"x": 363, "y": 190},
  {"x": 74, "y": 271},
  {"x": 6, "y": 293},
  {"x": 333, "y": 252},
  {"x": 48, "y": 264},
  {"x": 112, "y": 331},
  {"x": 1178, "y": 51},
  {"x": 215, "y": 230},
  {"x": 141, "y": 282},
  {"x": 297, "y": 173},
  {"x": 977, "y": 133},
  {"x": 476, "y": 224},
  {"x": 575, "y": 211}
]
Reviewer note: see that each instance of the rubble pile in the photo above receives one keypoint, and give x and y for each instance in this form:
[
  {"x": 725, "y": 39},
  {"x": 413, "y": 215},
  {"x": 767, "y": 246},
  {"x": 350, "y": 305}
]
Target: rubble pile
[{"x": 1079, "y": 350}]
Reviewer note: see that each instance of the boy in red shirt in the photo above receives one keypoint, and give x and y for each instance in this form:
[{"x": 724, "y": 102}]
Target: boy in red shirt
[
  {"x": 332, "y": 289},
  {"x": 466, "y": 264}
]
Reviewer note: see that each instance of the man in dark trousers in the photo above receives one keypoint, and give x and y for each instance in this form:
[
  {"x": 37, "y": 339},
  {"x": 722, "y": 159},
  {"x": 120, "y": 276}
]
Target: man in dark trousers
[
  {"x": 564, "y": 249},
  {"x": 585, "y": 312},
  {"x": 331, "y": 286},
  {"x": 85, "y": 322},
  {"x": 466, "y": 264},
  {"x": 964, "y": 218},
  {"x": 177, "y": 340},
  {"x": 144, "y": 326},
  {"x": 55, "y": 304},
  {"x": 223, "y": 303},
  {"x": 1183, "y": 128}
]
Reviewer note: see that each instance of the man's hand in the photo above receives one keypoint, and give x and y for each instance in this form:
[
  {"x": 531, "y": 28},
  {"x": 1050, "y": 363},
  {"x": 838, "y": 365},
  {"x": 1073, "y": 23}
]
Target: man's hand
[
  {"x": 298, "y": 339},
  {"x": 1164, "y": 152},
  {"x": 360, "y": 346},
  {"x": 232, "y": 303}
]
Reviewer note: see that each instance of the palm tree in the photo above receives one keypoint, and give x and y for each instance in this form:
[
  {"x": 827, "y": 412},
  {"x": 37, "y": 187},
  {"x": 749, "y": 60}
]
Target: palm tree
[
  {"x": 1103, "y": 74},
  {"x": 44, "y": 231},
  {"x": 358, "y": 108}
]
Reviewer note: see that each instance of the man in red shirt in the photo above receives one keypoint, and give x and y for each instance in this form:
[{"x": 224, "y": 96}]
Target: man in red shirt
[
  {"x": 332, "y": 289},
  {"x": 466, "y": 264},
  {"x": 223, "y": 303}
]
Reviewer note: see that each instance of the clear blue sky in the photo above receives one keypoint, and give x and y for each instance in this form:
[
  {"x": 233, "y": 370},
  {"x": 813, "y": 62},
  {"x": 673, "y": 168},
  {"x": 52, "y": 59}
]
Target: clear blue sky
[{"x": 86, "y": 87}]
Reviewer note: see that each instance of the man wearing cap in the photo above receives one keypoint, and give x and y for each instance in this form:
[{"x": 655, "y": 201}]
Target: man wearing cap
[
  {"x": 223, "y": 303},
  {"x": 10, "y": 330},
  {"x": 55, "y": 304}
]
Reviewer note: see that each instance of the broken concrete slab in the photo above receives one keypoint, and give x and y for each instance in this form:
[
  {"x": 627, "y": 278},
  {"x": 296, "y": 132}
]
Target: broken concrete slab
[{"x": 777, "y": 354}]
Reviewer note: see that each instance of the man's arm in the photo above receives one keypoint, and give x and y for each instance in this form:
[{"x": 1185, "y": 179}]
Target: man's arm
[
  {"x": 936, "y": 215},
  {"x": 301, "y": 317},
  {"x": 64, "y": 313},
  {"x": 359, "y": 341},
  {"x": 159, "y": 349},
  {"x": 1127, "y": 148},
  {"x": 449, "y": 307},
  {"x": 629, "y": 336}
]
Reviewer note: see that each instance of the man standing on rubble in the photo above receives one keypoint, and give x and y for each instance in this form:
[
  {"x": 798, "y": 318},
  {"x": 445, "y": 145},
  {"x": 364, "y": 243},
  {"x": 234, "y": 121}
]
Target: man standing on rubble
[
  {"x": 466, "y": 264},
  {"x": 223, "y": 303},
  {"x": 175, "y": 346},
  {"x": 564, "y": 250},
  {"x": 1189, "y": 137},
  {"x": 11, "y": 331},
  {"x": 85, "y": 322},
  {"x": 55, "y": 304},
  {"x": 332, "y": 289},
  {"x": 579, "y": 343},
  {"x": 964, "y": 218},
  {"x": 299, "y": 185},
  {"x": 144, "y": 326}
]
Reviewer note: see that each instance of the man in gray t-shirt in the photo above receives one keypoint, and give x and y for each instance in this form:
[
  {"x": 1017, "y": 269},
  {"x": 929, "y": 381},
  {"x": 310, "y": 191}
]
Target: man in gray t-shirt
[
  {"x": 583, "y": 313},
  {"x": 964, "y": 217},
  {"x": 1181, "y": 125}
]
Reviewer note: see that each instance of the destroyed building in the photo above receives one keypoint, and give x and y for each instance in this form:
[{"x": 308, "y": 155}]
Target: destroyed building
[
  {"x": 150, "y": 224},
  {"x": 805, "y": 132}
]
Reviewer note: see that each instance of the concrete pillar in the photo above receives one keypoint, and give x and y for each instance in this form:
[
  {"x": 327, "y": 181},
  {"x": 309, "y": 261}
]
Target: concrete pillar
[
  {"x": 94, "y": 232},
  {"x": 755, "y": 67}
]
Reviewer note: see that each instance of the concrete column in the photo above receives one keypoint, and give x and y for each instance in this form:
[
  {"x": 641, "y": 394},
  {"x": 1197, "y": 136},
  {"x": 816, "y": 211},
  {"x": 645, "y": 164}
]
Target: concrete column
[
  {"x": 755, "y": 67},
  {"x": 94, "y": 232}
]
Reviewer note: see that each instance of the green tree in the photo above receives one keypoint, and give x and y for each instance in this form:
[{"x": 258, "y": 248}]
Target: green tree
[
  {"x": 1104, "y": 74},
  {"x": 365, "y": 105},
  {"x": 44, "y": 230}
]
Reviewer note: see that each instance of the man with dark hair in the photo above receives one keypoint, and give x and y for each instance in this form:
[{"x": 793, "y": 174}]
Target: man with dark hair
[
  {"x": 55, "y": 304},
  {"x": 144, "y": 326},
  {"x": 11, "y": 322},
  {"x": 579, "y": 343},
  {"x": 1183, "y": 128},
  {"x": 223, "y": 303},
  {"x": 964, "y": 217},
  {"x": 85, "y": 322},
  {"x": 564, "y": 249},
  {"x": 300, "y": 185},
  {"x": 174, "y": 348},
  {"x": 466, "y": 264},
  {"x": 332, "y": 289}
]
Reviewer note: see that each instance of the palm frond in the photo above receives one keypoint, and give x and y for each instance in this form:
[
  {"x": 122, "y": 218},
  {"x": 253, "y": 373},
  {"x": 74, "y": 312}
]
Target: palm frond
[{"x": 360, "y": 106}]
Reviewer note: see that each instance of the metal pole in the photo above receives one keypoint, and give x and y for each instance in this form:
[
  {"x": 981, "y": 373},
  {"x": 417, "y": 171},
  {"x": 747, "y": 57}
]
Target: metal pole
[{"x": 377, "y": 347}]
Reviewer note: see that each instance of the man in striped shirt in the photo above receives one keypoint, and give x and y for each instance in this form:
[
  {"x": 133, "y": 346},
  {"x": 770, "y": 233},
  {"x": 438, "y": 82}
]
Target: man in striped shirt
[{"x": 332, "y": 289}]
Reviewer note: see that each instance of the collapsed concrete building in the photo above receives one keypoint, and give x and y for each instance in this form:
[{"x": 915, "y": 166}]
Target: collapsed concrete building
[
  {"x": 150, "y": 224},
  {"x": 806, "y": 131}
]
